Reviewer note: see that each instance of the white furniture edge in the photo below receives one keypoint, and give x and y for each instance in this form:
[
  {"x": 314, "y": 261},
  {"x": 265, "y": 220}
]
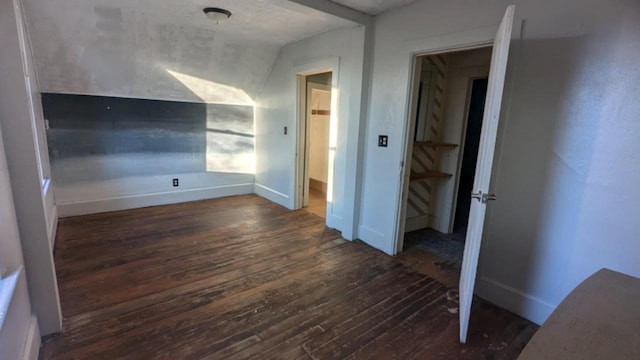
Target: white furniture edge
[
  {"x": 7, "y": 287},
  {"x": 32, "y": 343}
]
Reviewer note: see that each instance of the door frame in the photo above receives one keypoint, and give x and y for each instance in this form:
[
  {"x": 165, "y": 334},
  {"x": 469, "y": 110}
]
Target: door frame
[
  {"x": 330, "y": 64},
  {"x": 409, "y": 128}
]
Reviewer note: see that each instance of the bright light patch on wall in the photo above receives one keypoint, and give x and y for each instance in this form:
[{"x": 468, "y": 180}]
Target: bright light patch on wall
[
  {"x": 212, "y": 92},
  {"x": 229, "y": 153},
  {"x": 333, "y": 141},
  {"x": 229, "y": 146}
]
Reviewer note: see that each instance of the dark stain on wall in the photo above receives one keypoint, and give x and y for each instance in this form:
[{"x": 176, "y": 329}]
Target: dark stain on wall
[{"x": 94, "y": 138}]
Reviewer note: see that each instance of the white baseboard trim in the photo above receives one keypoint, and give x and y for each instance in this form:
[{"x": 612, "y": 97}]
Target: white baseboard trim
[
  {"x": 375, "y": 239},
  {"x": 514, "y": 300},
  {"x": 154, "y": 199},
  {"x": 271, "y": 195},
  {"x": 32, "y": 342},
  {"x": 336, "y": 222}
]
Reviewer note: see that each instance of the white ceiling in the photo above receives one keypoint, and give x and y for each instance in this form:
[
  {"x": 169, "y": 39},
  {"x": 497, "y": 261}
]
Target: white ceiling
[
  {"x": 373, "y": 7},
  {"x": 268, "y": 21},
  {"x": 136, "y": 48}
]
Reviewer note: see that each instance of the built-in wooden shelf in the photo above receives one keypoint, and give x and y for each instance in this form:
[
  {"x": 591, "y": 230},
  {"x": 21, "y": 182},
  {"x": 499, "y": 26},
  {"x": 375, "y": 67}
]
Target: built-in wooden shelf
[
  {"x": 435, "y": 144},
  {"x": 320, "y": 112},
  {"x": 415, "y": 176}
]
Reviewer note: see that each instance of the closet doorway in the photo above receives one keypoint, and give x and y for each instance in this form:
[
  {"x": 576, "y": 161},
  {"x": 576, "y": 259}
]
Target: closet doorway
[
  {"x": 438, "y": 135},
  {"x": 316, "y": 143},
  {"x": 448, "y": 123}
]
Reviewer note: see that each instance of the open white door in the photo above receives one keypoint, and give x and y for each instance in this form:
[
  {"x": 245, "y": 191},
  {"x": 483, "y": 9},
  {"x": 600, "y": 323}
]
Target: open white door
[{"x": 483, "y": 168}]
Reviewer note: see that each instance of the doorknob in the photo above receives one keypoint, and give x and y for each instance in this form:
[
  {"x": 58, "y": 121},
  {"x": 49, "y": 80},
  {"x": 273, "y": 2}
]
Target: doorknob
[
  {"x": 477, "y": 196},
  {"x": 482, "y": 197}
]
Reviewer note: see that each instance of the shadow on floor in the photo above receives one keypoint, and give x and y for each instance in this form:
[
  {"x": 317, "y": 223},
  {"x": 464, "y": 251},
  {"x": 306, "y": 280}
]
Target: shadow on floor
[{"x": 449, "y": 247}]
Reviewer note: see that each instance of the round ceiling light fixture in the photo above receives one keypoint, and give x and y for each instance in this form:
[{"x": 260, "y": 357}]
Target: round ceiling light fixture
[{"x": 216, "y": 14}]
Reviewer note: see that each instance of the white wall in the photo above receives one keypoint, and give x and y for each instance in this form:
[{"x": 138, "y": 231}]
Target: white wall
[
  {"x": 567, "y": 166},
  {"x": 155, "y": 49},
  {"x": 276, "y": 108},
  {"x": 126, "y": 49},
  {"x": 29, "y": 195}
]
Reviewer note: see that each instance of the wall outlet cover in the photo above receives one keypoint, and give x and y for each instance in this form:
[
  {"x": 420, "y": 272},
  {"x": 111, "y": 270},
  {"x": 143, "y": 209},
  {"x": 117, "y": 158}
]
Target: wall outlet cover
[{"x": 383, "y": 140}]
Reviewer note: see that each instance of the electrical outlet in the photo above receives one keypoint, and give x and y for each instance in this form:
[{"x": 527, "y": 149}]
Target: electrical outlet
[
  {"x": 383, "y": 140},
  {"x": 285, "y": 130},
  {"x": 175, "y": 182}
]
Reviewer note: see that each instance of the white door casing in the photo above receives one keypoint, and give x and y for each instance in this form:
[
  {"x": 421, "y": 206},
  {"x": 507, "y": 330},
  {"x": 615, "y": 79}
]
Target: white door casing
[
  {"x": 484, "y": 164},
  {"x": 329, "y": 64}
]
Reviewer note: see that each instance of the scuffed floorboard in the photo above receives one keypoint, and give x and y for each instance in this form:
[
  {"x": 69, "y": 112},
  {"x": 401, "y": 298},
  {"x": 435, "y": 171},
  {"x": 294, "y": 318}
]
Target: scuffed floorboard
[{"x": 243, "y": 278}]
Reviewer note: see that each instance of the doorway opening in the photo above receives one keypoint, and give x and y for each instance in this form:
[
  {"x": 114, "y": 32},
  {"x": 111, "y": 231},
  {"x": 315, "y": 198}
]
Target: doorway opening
[
  {"x": 438, "y": 129},
  {"x": 449, "y": 109},
  {"x": 470, "y": 154},
  {"x": 316, "y": 139}
]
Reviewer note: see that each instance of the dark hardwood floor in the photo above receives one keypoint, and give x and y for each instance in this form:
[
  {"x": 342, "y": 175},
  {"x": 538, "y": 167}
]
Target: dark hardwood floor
[{"x": 240, "y": 277}]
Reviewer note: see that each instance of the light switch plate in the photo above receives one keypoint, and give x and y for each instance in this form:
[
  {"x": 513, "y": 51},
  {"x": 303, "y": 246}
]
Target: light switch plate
[{"x": 383, "y": 140}]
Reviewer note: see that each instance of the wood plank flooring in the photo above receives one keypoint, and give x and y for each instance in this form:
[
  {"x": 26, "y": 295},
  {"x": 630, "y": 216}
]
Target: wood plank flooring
[
  {"x": 243, "y": 278},
  {"x": 317, "y": 203}
]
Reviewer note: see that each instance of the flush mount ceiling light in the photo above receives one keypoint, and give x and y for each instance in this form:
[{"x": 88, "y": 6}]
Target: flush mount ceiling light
[{"x": 216, "y": 14}]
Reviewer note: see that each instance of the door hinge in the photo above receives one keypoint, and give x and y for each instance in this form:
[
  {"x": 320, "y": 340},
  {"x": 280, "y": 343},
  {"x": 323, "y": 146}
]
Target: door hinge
[{"x": 483, "y": 197}]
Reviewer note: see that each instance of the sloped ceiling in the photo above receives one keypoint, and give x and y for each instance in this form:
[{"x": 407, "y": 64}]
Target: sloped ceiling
[
  {"x": 164, "y": 49},
  {"x": 373, "y": 7}
]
